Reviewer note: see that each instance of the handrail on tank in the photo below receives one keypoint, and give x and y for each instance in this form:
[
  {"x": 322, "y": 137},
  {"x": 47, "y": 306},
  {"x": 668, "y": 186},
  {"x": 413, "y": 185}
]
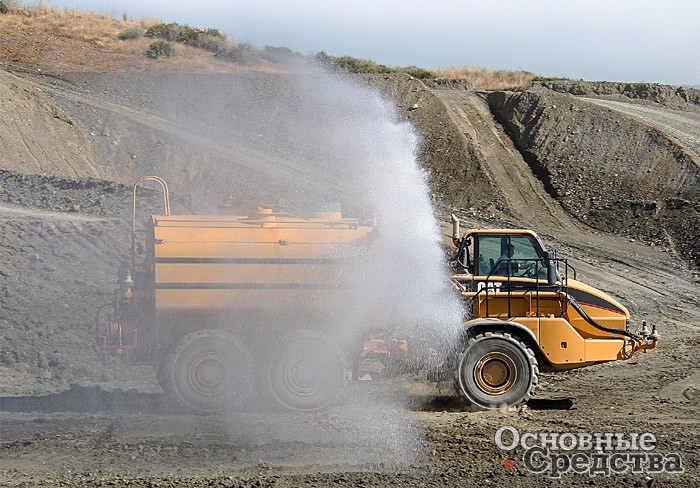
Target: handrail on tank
[
  {"x": 166, "y": 210},
  {"x": 166, "y": 197}
]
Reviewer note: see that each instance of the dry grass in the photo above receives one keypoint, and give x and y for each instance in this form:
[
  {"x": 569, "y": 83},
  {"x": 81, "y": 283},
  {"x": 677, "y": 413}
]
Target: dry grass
[
  {"x": 75, "y": 40},
  {"x": 487, "y": 79}
]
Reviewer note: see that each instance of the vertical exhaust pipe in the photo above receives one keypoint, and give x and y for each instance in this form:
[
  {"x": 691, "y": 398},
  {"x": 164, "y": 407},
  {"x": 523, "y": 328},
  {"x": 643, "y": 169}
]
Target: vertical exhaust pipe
[{"x": 455, "y": 230}]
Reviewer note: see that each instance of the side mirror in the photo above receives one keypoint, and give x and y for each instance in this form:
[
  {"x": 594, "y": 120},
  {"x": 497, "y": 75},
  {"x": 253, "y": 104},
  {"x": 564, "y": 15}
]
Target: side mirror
[
  {"x": 463, "y": 254},
  {"x": 551, "y": 263}
]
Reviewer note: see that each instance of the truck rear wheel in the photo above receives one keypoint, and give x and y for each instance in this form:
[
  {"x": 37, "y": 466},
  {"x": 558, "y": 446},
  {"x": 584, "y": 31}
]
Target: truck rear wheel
[
  {"x": 306, "y": 372},
  {"x": 496, "y": 370},
  {"x": 209, "y": 371}
]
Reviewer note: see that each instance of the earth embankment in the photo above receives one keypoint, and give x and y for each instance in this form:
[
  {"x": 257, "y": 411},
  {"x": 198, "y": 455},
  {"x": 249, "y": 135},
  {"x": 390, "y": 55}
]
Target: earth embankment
[
  {"x": 653, "y": 94},
  {"x": 36, "y": 136}
]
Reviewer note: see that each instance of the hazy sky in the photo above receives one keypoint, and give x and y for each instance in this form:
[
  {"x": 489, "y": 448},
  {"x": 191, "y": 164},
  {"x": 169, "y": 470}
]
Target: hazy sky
[{"x": 606, "y": 40}]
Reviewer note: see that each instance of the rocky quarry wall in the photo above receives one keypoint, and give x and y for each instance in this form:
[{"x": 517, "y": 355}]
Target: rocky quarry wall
[
  {"x": 610, "y": 171},
  {"x": 678, "y": 97}
]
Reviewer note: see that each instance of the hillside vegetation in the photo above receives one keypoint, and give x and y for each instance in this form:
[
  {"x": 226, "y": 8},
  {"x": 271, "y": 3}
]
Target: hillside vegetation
[{"x": 70, "y": 39}]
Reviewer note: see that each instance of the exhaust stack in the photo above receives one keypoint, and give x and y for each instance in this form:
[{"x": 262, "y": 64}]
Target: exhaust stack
[{"x": 455, "y": 230}]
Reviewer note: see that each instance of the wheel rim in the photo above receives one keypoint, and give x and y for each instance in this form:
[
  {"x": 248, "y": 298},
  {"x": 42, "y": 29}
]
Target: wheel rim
[
  {"x": 495, "y": 373},
  {"x": 207, "y": 374},
  {"x": 301, "y": 377}
]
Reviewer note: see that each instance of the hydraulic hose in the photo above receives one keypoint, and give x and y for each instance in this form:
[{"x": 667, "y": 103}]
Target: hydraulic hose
[{"x": 587, "y": 318}]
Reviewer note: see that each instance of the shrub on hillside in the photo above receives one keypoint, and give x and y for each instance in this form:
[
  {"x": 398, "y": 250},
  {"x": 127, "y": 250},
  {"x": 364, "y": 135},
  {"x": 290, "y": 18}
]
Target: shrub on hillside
[
  {"x": 212, "y": 44},
  {"x": 7, "y": 6},
  {"x": 193, "y": 35},
  {"x": 277, "y": 54},
  {"x": 168, "y": 32},
  {"x": 366, "y": 66},
  {"x": 356, "y": 65},
  {"x": 131, "y": 33},
  {"x": 245, "y": 54},
  {"x": 160, "y": 49},
  {"x": 420, "y": 73},
  {"x": 209, "y": 39}
]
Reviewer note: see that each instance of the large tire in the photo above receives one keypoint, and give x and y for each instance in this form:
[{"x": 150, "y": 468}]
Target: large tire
[
  {"x": 208, "y": 371},
  {"x": 496, "y": 370},
  {"x": 162, "y": 369},
  {"x": 306, "y": 372}
]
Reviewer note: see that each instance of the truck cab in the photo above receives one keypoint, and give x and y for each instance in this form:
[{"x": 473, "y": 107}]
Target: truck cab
[
  {"x": 526, "y": 312},
  {"x": 514, "y": 253}
]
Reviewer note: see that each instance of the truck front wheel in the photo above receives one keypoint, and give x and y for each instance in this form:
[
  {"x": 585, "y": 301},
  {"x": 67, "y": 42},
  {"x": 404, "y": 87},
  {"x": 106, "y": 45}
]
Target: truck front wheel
[
  {"x": 209, "y": 371},
  {"x": 495, "y": 370},
  {"x": 306, "y": 372}
]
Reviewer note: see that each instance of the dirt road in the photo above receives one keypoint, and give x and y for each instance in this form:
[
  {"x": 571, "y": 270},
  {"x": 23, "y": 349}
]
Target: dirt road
[{"x": 682, "y": 125}]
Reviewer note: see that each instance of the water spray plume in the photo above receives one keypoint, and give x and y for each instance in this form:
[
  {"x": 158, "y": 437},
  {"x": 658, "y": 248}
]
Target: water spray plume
[{"x": 371, "y": 155}]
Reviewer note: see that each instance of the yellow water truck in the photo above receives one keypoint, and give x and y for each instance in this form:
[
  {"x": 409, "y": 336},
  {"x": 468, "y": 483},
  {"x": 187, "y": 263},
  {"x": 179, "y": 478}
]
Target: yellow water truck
[{"x": 227, "y": 305}]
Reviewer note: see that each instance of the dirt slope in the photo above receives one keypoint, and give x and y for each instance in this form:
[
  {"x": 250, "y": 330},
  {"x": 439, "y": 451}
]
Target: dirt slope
[
  {"x": 38, "y": 137},
  {"x": 509, "y": 176}
]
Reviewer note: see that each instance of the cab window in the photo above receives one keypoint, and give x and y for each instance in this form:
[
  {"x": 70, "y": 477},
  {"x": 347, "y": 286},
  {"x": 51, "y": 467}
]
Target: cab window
[{"x": 497, "y": 253}]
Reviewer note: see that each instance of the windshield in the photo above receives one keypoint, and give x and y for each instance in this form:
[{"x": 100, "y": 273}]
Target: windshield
[{"x": 514, "y": 255}]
